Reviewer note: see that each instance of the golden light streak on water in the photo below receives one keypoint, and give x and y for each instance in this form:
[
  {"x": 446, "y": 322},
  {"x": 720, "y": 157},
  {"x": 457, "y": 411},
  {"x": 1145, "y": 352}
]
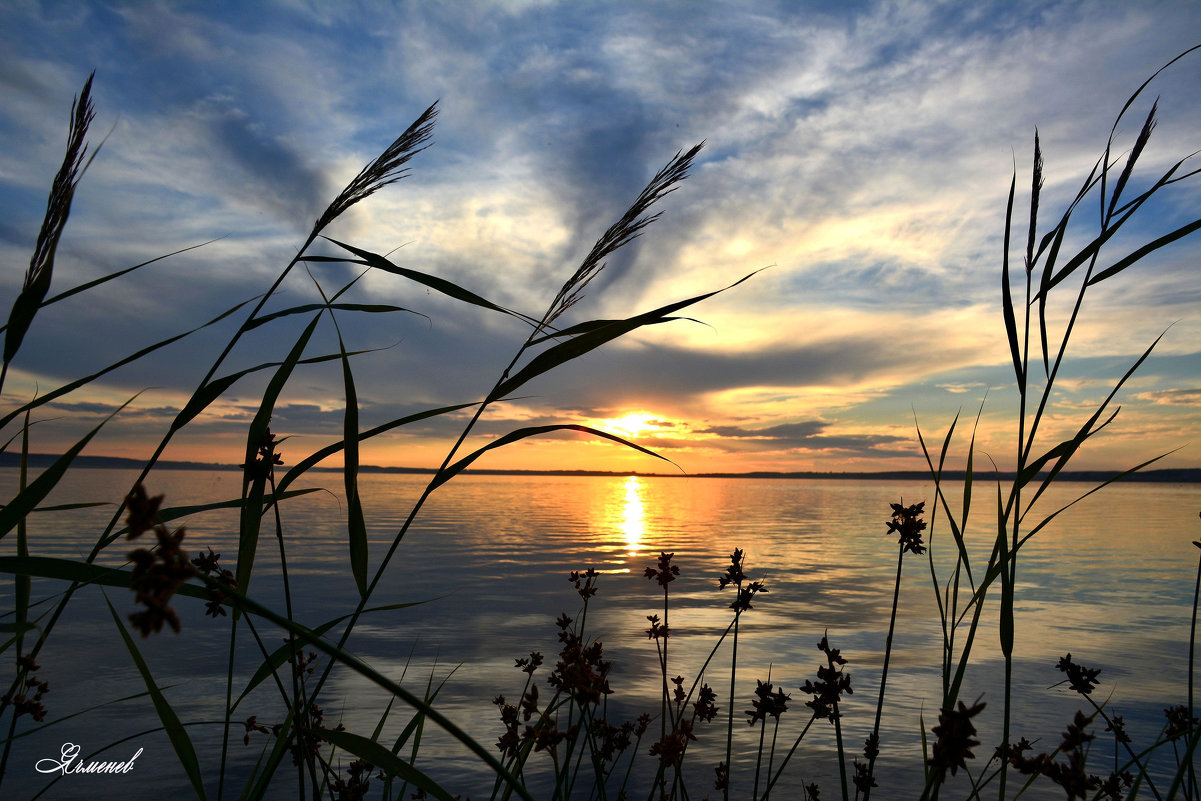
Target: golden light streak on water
[{"x": 633, "y": 520}]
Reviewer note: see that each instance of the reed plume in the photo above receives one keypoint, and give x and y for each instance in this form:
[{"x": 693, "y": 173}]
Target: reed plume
[
  {"x": 388, "y": 168},
  {"x": 58, "y": 208},
  {"x": 627, "y": 228}
]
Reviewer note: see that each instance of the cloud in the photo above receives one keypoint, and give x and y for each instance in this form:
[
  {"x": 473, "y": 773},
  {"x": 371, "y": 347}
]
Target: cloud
[
  {"x": 807, "y": 435},
  {"x": 1173, "y": 397}
]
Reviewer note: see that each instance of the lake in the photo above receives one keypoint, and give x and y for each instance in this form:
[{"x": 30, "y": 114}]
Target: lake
[{"x": 1111, "y": 581}]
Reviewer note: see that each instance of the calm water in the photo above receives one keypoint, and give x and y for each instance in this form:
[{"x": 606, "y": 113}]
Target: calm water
[{"x": 1111, "y": 582}]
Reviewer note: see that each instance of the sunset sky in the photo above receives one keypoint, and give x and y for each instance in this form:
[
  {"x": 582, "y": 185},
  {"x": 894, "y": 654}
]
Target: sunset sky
[{"x": 861, "y": 151}]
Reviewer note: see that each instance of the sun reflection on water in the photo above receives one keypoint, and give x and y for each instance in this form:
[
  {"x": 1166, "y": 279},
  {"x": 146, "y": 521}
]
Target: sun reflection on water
[{"x": 633, "y": 519}]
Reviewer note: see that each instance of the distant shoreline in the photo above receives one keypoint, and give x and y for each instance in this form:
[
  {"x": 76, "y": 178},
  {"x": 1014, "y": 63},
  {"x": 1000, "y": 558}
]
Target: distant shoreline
[{"x": 1167, "y": 476}]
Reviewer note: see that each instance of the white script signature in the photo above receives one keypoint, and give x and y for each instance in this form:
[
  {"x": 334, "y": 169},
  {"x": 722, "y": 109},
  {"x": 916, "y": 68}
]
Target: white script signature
[{"x": 67, "y": 764}]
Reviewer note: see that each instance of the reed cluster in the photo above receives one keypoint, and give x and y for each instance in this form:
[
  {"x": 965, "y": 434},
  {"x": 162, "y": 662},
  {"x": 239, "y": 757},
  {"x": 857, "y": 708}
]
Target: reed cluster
[{"x": 561, "y": 731}]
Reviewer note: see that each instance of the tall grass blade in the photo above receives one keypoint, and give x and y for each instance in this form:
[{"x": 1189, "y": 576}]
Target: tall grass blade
[
  {"x": 1116, "y": 477},
  {"x": 253, "y": 484},
  {"x": 185, "y": 752},
  {"x": 595, "y": 325},
  {"x": 356, "y": 525},
  {"x": 1041, "y": 295},
  {"x": 1063, "y": 452},
  {"x": 936, "y": 476},
  {"x": 1003, "y": 564},
  {"x": 1011, "y": 328}
]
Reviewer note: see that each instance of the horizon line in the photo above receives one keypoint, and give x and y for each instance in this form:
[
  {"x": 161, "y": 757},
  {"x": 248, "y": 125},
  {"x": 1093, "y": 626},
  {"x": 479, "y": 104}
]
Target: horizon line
[{"x": 1165, "y": 475}]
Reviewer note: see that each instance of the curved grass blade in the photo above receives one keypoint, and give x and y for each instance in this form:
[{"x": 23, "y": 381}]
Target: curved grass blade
[
  {"x": 213, "y": 389},
  {"x": 1041, "y": 297},
  {"x": 66, "y": 507},
  {"x": 53, "y": 567},
  {"x": 513, "y": 436},
  {"x": 1108, "y": 229},
  {"x": 593, "y": 325},
  {"x": 593, "y": 338},
  {"x": 185, "y": 752},
  {"x": 1116, "y": 477},
  {"x": 1144, "y": 251},
  {"x": 1093, "y": 248},
  {"x": 369, "y": 308},
  {"x": 383, "y": 758},
  {"x": 40, "y": 487},
  {"x": 106, "y": 278},
  {"x": 416, "y": 726},
  {"x": 176, "y": 512},
  {"x": 74, "y": 385},
  {"x": 356, "y": 525},
  {"x": 85, "y": 711},
  {"x": 312, "y": 460},
  {"x": 448, "y": 288}
]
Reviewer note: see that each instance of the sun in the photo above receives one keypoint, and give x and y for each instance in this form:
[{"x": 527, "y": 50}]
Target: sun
[{"x": 632, "y": 425}]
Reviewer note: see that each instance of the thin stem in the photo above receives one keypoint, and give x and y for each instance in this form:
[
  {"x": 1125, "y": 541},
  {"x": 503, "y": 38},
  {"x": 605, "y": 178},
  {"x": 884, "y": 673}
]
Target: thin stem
[
  {"x": 759, "y": 758},
  {"x": 730, "y": 723},
  {"x": 896, "y": 597},
  {"x": 1192, "y": 640},
  {"x": 842, "y": 762},
  {"x": 784, "y": 763},
  {"x": 298, "y": 702}
]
